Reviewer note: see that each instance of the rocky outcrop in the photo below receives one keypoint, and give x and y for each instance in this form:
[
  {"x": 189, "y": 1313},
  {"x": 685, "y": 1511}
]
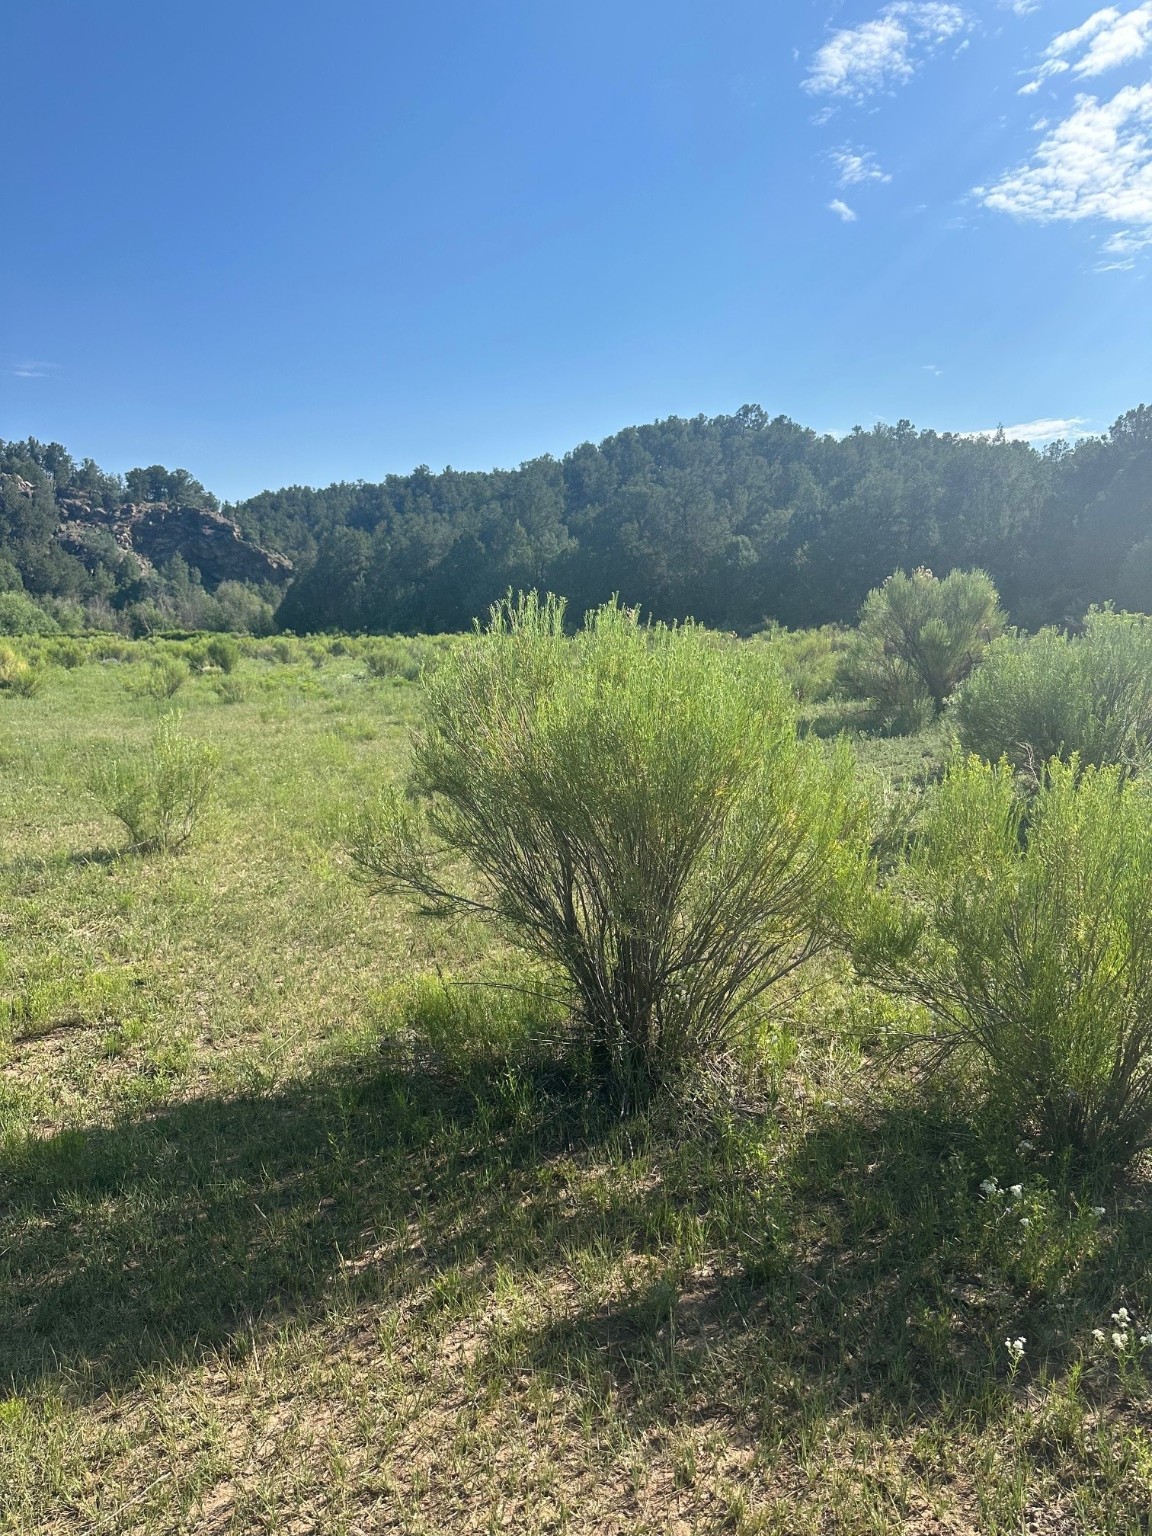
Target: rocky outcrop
[{"x": 155, "y": 532}]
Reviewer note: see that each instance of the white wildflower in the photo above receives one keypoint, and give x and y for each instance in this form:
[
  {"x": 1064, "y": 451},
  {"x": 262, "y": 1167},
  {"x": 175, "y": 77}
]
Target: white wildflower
[
  {"x": 1016, "y": 1191},
  {"x": 1098, "y": 1335},
  {"x": 1120, "y": 1341},
  {"x": 990, "y": 1187},
  {"x": 1015, "y": 1347},
  {"x": 1098, "y": 1210},
  {"x": 1121, "y": 1317}
]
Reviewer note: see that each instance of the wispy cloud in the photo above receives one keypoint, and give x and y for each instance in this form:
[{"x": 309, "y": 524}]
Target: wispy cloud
[
  {"x": 842, "y": 211},
  {"x": 1047, "y": 429},
  {"x": 1124, "y": 247},
  {"x": 1106, "y": 40},
  {"x": 31, "y": 370},
  {"x": 857, "y": 62},
  {"x": 1096, "y": 164},
  {"x": 856, "y": 167}
]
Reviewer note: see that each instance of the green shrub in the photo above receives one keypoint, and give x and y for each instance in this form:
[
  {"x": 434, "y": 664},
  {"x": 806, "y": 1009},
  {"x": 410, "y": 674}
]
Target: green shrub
[
  {"x": 283, "y": 649},
  {"x": 19, "y": 615},
  {"x": 634, "y": 805},
  {"x": 222, "y": 652},
  {"x": 17, "y": 675},
  {"x": 161, "y": 792},
  {"x": 112, "y": 648},
  {"x": 393, "y": 658},
  {"x": 232, "y": 690},
  {"x": 900, "y": 704},
  {"x": 919, "y": 638},
  {"x": 1024, "y": 927},
  {"x": 810, "y": 659},
  {"x": 163, "y": 679},
  {"x": 1053, "y": 696},
  {"x": 67, "y": 653}
]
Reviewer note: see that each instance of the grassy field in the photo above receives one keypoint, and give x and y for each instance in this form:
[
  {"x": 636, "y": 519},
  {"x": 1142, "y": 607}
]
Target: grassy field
[{"x": 266, "y": 1268}]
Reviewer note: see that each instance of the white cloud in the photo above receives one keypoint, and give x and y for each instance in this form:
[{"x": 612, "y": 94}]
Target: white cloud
[
  {"x": 31, "y": 370},
  {"x": 859, "y": 61},
  {"x": 842, "y": 211},
  {"x": 856, "y": 167},
  {"x": 1125, "y": 245},
  {"x": 1106, "y": 40},
  {"x": 1047, "y": 429},
  {"x": 1127, "y": 242},
  {"x": 1096, "y": 164}
]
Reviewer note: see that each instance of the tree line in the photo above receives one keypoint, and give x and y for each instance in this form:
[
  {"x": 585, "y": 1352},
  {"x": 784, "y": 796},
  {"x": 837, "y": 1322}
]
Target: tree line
[{"x": 734, "y": 519}]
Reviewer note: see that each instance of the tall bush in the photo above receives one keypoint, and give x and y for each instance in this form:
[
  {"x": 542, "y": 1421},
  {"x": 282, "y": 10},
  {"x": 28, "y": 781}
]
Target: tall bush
[
  {"x": 1024, "y": 927},
  {"x": 920, "y": 637},
  {"x": 633, "y": 805}
]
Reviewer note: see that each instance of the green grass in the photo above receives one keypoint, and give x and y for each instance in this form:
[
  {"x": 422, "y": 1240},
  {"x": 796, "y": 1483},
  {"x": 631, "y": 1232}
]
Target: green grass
[{"x": 266, "y": 1265}]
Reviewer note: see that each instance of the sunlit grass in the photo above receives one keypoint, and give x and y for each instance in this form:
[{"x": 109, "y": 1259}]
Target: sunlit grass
[{"x": 281, "y": 1252}]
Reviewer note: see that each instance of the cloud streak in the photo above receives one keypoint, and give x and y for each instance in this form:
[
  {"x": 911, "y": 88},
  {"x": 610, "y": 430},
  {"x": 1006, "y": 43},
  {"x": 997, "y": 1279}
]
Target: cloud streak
[
  {"x": 1046, "y": 429},
  {"x": 31, "y": 370},
  {"x": 842, "y": 211}
]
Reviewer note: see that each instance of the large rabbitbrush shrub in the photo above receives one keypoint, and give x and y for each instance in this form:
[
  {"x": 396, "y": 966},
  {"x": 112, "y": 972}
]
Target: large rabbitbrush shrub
[
  {"x": 633, "y": 804},
  {"x": 1051, "y": 695},
  {"x": 1024, "y": 927}
]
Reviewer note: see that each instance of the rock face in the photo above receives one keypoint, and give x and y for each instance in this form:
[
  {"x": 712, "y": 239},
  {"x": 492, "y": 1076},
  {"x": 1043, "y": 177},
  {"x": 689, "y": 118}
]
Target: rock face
[{"x": 156, "y": 531}]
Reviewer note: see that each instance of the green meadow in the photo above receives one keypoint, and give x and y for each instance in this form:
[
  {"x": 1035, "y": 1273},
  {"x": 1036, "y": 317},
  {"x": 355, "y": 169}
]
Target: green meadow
[{"x": 308, "y": 1225}]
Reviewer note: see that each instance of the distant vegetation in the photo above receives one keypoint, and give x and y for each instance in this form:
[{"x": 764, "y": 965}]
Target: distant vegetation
[{"x": 734, "y": 520}]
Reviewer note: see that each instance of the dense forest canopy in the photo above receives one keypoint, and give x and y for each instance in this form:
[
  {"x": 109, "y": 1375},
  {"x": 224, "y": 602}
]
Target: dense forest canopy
[{"x": 732, "y": 519}]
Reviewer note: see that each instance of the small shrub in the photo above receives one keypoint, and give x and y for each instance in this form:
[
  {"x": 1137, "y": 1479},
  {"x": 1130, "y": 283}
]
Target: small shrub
[
  {"x": 1050, "y": 695},
  {"x": 17, "y": 675},
  {"x": 232, "y": 690},
  {"x": 635, "y": 807},
  {"x": 159, "y": 793},
  {"x": 67, "y": 653},
  {"x": 111, "y": 648},
  {"x": 920, "y": 637},
  {"x": 163, "y": 679},
  {"x": 283, "y": 649},
  {"x": 810, "y": 659},
  {"x": 222, "y": 652},
  {"x": 1025, "y": 930},
  {"x": 393, "y": 658}
]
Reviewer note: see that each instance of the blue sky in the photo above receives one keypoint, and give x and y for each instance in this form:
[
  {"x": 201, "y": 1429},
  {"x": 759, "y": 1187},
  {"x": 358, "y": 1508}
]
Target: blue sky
[{"x": 278, "y": 242}]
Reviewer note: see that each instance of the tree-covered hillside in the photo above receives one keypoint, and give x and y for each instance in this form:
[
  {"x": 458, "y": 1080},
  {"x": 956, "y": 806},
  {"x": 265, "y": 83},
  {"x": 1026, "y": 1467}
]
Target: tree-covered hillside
[{"x": 732, "y": 519}]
